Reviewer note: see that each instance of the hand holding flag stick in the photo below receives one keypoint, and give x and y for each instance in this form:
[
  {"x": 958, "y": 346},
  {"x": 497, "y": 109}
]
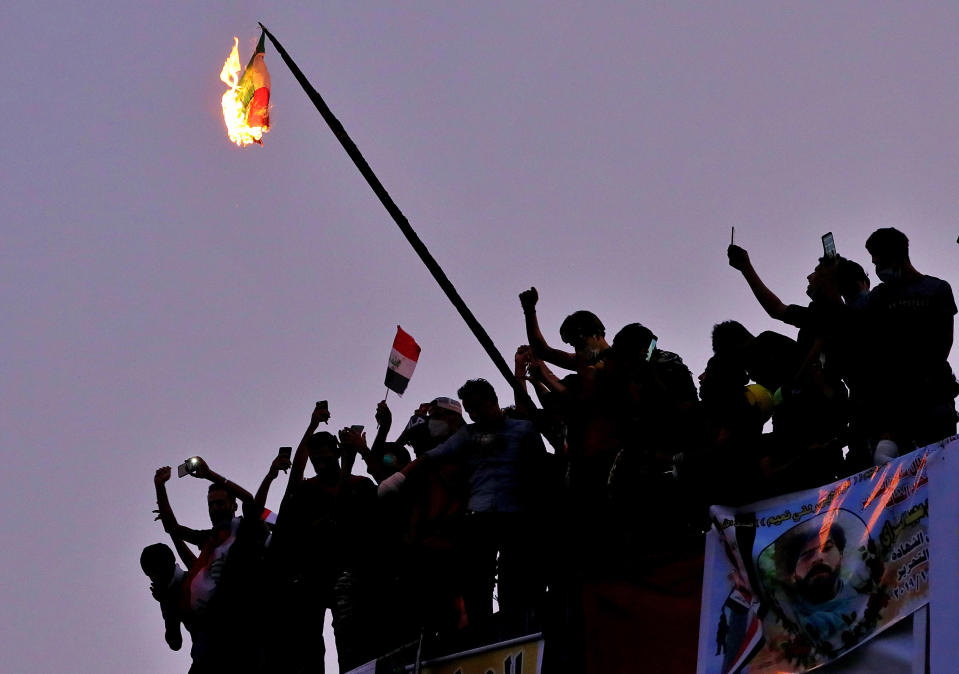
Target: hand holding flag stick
[{"x": 340, "y": 132}]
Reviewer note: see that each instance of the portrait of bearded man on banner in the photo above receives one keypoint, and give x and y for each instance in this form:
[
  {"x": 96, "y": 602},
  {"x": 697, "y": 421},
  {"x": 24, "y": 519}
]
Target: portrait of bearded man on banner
[{"x": 822, "y": 580}]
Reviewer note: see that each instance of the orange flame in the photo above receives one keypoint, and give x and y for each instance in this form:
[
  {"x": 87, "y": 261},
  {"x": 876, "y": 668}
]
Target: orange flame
[{"x": 234, "y": 114}]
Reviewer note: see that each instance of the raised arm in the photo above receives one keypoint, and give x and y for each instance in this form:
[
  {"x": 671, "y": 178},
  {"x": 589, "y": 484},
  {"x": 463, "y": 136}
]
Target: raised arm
[
  {"x": 165, "y": 514},
  {"x": 771, "y": 304},
  {"x": 449, "y": 449},
  {"x": 204, "y": 472},
  {"x": 384, "y": 421},
  {"x": 279, "y": 463},
  {"x": 350, "y": 442},
  {"x": 185, "y": 553},
  {"x": 564, "y": 359},
  {"x": 420, "y": 415},
  {"x": 355, "y": 443},
  {"x": 544, "y": 379},
  {"x": 522, "y": 359},
  {"x": 164, "y": 511},
  {"x": 320, "y": 414}
]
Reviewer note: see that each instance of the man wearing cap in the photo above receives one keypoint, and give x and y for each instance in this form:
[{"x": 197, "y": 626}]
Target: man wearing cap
[
  {"x": 501, "y": 455},
  {"x": 431, "y": 423},
  {"x": 428, "y": 520}
]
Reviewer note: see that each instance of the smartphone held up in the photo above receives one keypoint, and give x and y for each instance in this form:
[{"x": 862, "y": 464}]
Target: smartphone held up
[
  {"x": 828, "y": 245},
  {"x": 188, "y": 467}
]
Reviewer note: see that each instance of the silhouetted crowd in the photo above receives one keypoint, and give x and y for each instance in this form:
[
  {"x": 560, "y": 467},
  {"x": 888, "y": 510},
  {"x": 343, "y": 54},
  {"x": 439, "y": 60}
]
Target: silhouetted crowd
[{"x": 598, "y": 541}]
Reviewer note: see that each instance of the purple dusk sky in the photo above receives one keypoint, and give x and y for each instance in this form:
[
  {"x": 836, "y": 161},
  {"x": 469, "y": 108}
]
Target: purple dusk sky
[{"x": 165, "y": 293}]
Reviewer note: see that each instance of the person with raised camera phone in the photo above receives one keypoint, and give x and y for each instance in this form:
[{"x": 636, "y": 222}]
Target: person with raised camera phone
[
  {"x": 320, "y": 540},
  {"x": 216, "y": 585}
]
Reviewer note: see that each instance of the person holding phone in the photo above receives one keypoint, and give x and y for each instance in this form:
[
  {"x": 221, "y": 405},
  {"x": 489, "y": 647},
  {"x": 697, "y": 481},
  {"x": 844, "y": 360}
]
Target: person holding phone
[
  {"x": 321, "y": 537},
  {"x": 281, "y": 462},
  {"x": 224, "y": 561},
  {"x": 814, "y": 409}
]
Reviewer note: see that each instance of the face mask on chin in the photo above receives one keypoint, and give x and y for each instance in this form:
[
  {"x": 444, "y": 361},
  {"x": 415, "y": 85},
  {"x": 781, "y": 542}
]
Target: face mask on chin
[
  {"x": 888, "y": 274},
  {"x": 438, "y": 428}
]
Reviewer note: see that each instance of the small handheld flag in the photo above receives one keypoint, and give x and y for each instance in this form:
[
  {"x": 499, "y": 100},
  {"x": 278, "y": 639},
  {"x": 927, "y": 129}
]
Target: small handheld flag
[
  {"x": 403, "y": 359},
  {"x": 268, "y": 516}
]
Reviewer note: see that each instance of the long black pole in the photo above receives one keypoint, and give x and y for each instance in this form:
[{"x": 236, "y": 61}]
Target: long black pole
[{"x": 401, "y": 221}]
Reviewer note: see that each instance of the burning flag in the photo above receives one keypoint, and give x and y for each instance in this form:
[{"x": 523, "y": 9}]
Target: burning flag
[
  {"x": 403, "y": 359},
  {"x": 246, "y": 104}
]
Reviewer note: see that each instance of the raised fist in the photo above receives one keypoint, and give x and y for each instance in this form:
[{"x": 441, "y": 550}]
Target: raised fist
[
  {"x": 162, "y": 475},
  {"x": 529, "y": 298}
]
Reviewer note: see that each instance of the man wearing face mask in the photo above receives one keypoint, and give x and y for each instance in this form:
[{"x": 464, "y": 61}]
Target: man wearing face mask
[
  {"x": 911, "y": 318},
  {"x": 431, "y": 423},
  {"x": 429, "y": 518},
  {"x": 436, "y": 522},
  {"x": 445, "y": 418},
  {"x": 501, "y": 456}
]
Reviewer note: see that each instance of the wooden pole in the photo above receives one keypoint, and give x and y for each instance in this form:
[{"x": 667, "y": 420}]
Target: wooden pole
[{"x": 434, "y": 268}]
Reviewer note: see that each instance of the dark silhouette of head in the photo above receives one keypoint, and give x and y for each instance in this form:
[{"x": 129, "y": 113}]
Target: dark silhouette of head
[
  {"x": 824, "y": 279},
  {"x": 890, "y": 253},
  {"x": 395, "y": 457},
  {"x": 324, "y": 453},
  {"x": 480, "y": 401},
  {"x": 723, "y": 380},
  {"x": 634, "y": 339},
  {"x": 853, "y": 280},
  {"x": 888, "y": 244},
  {"x": 157, "y": 562},
  {"x": 730, "y": 338},
  {"x": 583, "y": 331},
  {"x": 220, "y": 504}
]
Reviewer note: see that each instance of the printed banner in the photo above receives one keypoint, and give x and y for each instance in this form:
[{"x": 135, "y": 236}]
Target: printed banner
[
  {"x": 944, "y": 572},
  {"x": 520, "y": 656},
  {"x": 794, "y": 582}
]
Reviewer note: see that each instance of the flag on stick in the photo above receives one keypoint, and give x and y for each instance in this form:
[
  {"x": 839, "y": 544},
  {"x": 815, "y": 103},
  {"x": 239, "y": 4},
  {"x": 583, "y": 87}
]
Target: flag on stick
[
  {"x": 439, "y": 275},
  {"x": 254, "y": 89},
  {"x": 246, "y": 104},
  {"x": 403, "y": 359}
]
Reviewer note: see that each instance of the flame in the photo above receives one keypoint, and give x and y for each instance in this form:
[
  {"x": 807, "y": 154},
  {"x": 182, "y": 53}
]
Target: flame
[{"x": 234, "y": 115}]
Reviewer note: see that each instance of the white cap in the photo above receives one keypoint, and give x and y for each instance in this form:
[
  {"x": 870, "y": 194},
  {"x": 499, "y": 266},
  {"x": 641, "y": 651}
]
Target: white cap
[{"x": 451, "y": 404}]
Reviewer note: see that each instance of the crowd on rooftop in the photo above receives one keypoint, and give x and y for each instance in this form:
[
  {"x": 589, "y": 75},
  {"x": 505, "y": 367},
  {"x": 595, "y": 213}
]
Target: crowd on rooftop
[{"x": 559, "y": 511}]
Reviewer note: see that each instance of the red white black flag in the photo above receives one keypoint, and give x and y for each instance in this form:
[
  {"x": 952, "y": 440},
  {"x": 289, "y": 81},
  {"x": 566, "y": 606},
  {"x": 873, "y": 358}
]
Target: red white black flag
[{"x": 403, "y": 359}]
